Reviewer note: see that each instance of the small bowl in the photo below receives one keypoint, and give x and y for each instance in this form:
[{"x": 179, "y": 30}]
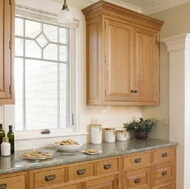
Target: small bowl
[{"x": 68, "y": 148}]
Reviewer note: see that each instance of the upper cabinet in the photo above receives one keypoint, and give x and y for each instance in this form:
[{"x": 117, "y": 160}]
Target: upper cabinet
[
  {"x": 122, "y": 56},
  {"x": 7, "y": 16}
]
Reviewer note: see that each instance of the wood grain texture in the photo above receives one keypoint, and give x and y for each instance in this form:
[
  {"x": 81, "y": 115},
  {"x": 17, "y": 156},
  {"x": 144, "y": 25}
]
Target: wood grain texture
[
  {"x": 7, "y": 17},
  {"x": 122, "y": 56}
]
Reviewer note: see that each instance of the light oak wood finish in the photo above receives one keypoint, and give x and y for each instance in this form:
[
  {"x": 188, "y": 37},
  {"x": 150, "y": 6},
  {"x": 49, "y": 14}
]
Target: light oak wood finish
[
  {"x": 142, "y": 170},
  {"x": 122, "y": 56},
  {"x": 138, "y": 179},
  {"x": 138, "y": 160},
  {"x": 7, "y": 17},
  {"x": 13, "y": 181}
]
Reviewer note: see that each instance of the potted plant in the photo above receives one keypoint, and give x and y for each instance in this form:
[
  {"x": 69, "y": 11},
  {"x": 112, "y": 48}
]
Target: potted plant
[{"x": 141, "y": 127}]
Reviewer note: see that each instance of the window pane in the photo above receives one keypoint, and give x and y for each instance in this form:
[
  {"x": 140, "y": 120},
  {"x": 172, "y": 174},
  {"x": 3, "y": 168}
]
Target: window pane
[
  {"x": 50, "y": 52},
  {"x": 63, "y": 35},
  {"x": 19, "y": 27},
  {"x": 32, "y": 49},
  {"x": 63, "y": 95},
  {"x": 50, "y": 32},
  {"x": 41, "y": 95},
  {"x": 19, "y": 111},
  {"x": 19, "y": 47},
  {"x": 32, "y": 28}
]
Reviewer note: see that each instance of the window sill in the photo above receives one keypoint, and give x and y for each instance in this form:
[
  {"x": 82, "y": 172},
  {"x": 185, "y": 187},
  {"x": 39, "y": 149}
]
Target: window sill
[{"x": 28, "y": 135}]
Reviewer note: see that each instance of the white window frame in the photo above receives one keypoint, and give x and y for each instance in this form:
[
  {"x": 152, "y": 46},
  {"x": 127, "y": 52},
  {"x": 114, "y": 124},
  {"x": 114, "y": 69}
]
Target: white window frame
[{"x": 74, "y": 33}]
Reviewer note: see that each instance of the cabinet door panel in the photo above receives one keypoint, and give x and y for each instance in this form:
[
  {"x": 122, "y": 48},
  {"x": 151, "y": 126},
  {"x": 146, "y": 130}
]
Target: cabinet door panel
[
  {"x": 146, "y": 66},
  {"x": 6, "y": 49},
  {"x": 119, "y": 54},
  {"x": 103, "y": 183},
  {"x": 138, "y": 179},
  {"x": 13, "y": 182},
  {"x": 164, "y": 173}
]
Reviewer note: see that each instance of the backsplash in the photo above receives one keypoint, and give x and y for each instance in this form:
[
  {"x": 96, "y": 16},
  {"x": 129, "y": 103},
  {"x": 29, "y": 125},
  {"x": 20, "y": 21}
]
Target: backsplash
[{"x": 1, "y": 114}]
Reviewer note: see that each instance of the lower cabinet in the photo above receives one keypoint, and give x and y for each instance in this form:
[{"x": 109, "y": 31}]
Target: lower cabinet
[
  {"x": 13, "y": 181},
  {"x": 109, "y": 182},
  {"x": 154, "y": 169}
]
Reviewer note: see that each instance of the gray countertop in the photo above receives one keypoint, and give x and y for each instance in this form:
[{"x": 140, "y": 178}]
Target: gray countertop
[{"x": 15, "y": 163}]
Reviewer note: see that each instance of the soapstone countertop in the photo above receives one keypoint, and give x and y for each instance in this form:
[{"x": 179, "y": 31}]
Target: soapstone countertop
[{"x": 16, "y": 163}]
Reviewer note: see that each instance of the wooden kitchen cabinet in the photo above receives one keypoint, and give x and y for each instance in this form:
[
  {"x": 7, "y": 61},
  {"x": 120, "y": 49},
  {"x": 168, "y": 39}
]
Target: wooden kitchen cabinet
[
  {"x": 13, "y": 181},
  {"x": 96, "y": 174},
  {"x": 7, "y": 15},
  {"x": 110, "y": 182},
  {"x": 122, "y": 56}
]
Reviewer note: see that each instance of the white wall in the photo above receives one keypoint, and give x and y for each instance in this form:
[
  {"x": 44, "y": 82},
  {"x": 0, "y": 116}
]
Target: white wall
[{"x": 110, "y": 116}]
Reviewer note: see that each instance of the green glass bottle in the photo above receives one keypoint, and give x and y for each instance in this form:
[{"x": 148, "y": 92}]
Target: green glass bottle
[
  {"x": 10, "y": 136},
  {"x": 2, "y": 134}
]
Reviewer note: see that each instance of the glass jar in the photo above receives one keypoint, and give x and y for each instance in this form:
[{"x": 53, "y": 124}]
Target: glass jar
[{"x": 110, "y": 135}]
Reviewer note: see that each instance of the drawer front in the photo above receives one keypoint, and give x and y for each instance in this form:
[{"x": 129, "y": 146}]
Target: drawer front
[
  {"x": 49, "y": 177},
  {"x": 164, "y": 173},
  {"x": 138, "y": 179},
  {"x": 170, "y": 186},
  {"x": 13, "y": 182},
  {"x": 137, "y": 160},
  {"x": 106, "y": 166},
  {"x": 80, "y": 171},
  {"x": 166, "y": 154}
]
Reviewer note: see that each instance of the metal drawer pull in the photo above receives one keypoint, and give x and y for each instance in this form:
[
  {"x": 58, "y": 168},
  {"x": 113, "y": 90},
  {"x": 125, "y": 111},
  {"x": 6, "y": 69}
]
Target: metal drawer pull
[
  {"x": 81, "y": 172},
  {"x": 164, "y": 173},
  {"x": 49, "y": 177},
  {"x": 138, "y": 180},
  {"x": 164, "y": 154},
  {"x": 138, "y": 160},
  {"x": 108, "y": 166},
  {"x": 3, "y": 186}
]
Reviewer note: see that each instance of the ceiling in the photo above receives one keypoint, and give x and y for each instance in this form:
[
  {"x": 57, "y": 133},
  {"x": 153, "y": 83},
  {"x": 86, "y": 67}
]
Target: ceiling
[{"x": 144, "y": 6}]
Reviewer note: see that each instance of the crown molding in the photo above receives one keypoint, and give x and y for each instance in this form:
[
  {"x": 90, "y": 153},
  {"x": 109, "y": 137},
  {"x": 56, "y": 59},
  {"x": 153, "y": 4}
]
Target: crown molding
[{"x": 164, "y": 5}]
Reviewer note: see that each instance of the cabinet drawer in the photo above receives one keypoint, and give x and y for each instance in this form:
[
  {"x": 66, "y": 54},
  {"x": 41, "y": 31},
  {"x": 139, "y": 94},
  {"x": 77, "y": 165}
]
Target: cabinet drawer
[
  {"x": 169, "y": 186},
  {"x": 106, "y": 166},
  {"x": 49, "y": 177},
  {"x": 164, "y": 173},
  {"x": 137, "y": 160},
  {"x": 138, "y": 179},
  {"x": 80, "y": 171},
  {"x": 166, "y": 154},
  {"x": 13, "y": 182}
]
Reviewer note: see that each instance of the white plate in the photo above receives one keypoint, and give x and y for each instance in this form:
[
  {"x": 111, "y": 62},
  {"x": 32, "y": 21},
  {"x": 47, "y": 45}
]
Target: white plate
[
  {"x": 68, "y": 148},
  {"x": 91, "y": 153},
  {"x": 35, "y": 157}
]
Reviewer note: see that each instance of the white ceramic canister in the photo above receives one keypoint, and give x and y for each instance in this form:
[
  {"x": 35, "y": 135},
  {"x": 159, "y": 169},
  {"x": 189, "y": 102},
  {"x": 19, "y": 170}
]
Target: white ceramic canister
[
  {"x": 96, "y": 133},
  {"x": 110, "y": 135},
  {"x": 122, "y": 135}
]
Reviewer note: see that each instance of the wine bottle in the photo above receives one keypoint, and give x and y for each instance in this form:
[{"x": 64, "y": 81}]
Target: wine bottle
[
  {"x": 10, "y": 136},
  {"x": 2, "y": 134}
]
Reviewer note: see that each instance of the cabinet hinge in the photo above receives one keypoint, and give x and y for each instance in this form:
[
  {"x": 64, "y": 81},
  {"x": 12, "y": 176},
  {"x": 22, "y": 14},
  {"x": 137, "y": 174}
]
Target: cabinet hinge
[
  {"x": 9, "y": 89},
  {"x": 10, "y": 44},
  {"x": 9, "y": 2}
]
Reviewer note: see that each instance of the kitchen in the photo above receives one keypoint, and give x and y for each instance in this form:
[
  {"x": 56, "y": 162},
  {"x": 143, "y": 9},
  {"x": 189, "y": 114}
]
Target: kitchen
[{"x": 111, "y": 116}]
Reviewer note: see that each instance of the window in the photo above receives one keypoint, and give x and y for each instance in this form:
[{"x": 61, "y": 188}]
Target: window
[{"x": 42, "y": 75}]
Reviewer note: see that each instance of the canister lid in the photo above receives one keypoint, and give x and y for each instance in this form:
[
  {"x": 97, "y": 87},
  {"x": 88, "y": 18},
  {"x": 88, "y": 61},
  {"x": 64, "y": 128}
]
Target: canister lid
[{"x": 96, "y": 125}]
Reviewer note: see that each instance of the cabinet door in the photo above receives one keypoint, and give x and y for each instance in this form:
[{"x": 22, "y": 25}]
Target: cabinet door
[
  {"x": 146, "y": 66},
  {"x": 6, "y": 49},
  {"x": 119, "y": 58},
  {"x": 14, "y": 181},
  {"x": 110, "y": 182}
]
